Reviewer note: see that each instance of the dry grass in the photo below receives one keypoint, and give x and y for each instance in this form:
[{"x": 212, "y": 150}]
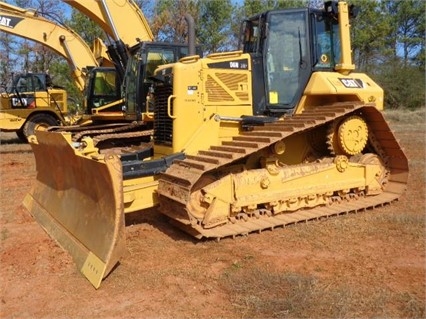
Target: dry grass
[
  {"x": 260, "y": 293},
  {"x": 406, "y": 117},
  {"x": 347, "y": 280}
]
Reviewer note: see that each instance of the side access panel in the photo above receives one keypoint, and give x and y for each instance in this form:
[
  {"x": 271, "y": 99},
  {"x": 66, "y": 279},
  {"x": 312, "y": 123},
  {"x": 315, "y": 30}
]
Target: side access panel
[{"x": 10, "y": 121}]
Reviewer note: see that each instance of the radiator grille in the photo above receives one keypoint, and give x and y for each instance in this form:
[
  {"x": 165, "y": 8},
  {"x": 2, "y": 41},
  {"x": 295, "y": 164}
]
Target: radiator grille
[{"x": 163, "y": 125}]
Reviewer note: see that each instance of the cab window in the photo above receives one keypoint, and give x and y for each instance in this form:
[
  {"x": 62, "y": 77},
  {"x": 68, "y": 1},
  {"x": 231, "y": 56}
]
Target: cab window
[
  {"x": 286, "y": 53},
  {"x": 105, "y": 84}
]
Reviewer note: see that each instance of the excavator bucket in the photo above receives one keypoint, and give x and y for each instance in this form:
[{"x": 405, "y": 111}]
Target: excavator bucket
[{"x": 78, "y": 201}]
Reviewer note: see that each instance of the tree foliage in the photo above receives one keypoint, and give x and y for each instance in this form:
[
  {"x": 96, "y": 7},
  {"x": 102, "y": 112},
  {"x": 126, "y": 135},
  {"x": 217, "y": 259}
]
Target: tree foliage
[
  {"x": 87, "y": 29},
  {"x": 168, "y": 23},
  {"x": 388, "y": 38},
  {"x": 388, "y": 44},
  {"x": 214, "y": 17}
]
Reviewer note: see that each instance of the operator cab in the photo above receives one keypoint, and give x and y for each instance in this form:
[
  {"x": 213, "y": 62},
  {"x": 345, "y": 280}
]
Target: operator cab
[
  {"x": 29, "y": 82},
  {"x": 23, "y": 89},
  {"x": 286, "y": 47},
  {"x": 140, "y": 69}
]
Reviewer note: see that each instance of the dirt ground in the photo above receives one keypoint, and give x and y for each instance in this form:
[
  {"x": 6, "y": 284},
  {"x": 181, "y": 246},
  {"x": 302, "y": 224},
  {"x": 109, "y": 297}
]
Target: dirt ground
[{"x": 370, "y": 264}]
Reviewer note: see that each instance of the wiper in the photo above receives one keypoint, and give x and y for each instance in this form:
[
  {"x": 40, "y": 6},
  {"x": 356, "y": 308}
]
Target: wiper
[{"x": 300, "y": 49}]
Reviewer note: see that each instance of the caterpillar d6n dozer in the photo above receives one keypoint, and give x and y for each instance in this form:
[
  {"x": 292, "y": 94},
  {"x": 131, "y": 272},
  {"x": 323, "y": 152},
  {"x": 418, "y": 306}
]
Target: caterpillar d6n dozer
[{"x": 279, "y": 132}]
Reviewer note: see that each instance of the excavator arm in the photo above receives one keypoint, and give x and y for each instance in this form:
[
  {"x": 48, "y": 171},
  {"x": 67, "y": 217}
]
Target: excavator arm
[
  {"x": 63, "y": 41},
  {"x": 122, "y": 20}
]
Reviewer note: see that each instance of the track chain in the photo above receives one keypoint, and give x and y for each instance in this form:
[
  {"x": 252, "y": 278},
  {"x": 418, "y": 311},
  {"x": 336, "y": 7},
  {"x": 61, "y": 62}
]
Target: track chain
[
  {"x": 177, "y": 183},
  {"x": 104, "y": 133}
]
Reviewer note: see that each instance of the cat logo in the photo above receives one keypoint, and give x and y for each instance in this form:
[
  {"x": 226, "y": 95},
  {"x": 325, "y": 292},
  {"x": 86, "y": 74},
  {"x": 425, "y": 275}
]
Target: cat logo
[
  {"x": 4, "y": 21},
  {"x": 352, "y": 83},
  {"x": 8, "y": 21},
  {"x": 21, "y": 102}
]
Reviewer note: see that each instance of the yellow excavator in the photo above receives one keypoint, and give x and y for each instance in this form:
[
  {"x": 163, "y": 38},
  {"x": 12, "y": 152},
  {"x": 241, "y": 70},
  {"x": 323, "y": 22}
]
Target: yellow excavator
[
  {"x": 99, "y": 73},
  {"x": 281, "y": 131},
  {"x": 27, "y": 23},
  {"x": 31, "y": 101},
  {"x": 131, "y": 40}
]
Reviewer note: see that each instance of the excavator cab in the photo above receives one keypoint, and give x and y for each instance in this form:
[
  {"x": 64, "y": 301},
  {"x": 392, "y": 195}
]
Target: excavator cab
[
  {"x": 104, "y": 90},
  {"x": 138, "y": 78},
  {"x": 20, "y": 92},
  {"x": 30, "y": 82},
  {"x": 32, "y": 90},
  {"x": 24, "y": 88}
]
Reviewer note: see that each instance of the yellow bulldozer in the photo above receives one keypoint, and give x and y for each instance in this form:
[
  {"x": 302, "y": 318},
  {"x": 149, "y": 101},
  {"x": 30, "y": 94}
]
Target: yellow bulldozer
[{"x": 279, "y": 132}]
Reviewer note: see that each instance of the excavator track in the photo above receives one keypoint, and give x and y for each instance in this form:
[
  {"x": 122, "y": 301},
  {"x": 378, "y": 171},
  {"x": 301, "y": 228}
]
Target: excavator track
[{"x": 183, "y": 178}]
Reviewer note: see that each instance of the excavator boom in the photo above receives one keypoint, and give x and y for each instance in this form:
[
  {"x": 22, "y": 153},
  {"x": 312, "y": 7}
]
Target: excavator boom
[
  {"x": 123, "y": 21},
  {"x": 101, "y": 85},
  {"x": 119, "y": 19},
  {"x": 33, "y": 102},
  {"x": 63, "y": 41}
]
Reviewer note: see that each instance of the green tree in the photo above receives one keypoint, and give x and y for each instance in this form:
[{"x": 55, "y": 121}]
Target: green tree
[
  {"x": 86, "y": 28},
  {"x": 214, "y": 21},
  {"x": 388, "y": 42},
  {"x": 408, "y": 28},
  {"x": 168, "y": 23},
  {"x": 252, "y": 7},
  {"x": 370, "y": 30}
]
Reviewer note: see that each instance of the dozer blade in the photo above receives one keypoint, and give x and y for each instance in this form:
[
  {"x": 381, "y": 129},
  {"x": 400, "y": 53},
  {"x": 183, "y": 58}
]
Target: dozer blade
[{"x": 78, "y": 201}]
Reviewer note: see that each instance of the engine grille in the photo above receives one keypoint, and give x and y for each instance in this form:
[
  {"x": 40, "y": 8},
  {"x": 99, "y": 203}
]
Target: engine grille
[
  {"x": 218, "y": 87},
  {"x": 163, "y": 124}
]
